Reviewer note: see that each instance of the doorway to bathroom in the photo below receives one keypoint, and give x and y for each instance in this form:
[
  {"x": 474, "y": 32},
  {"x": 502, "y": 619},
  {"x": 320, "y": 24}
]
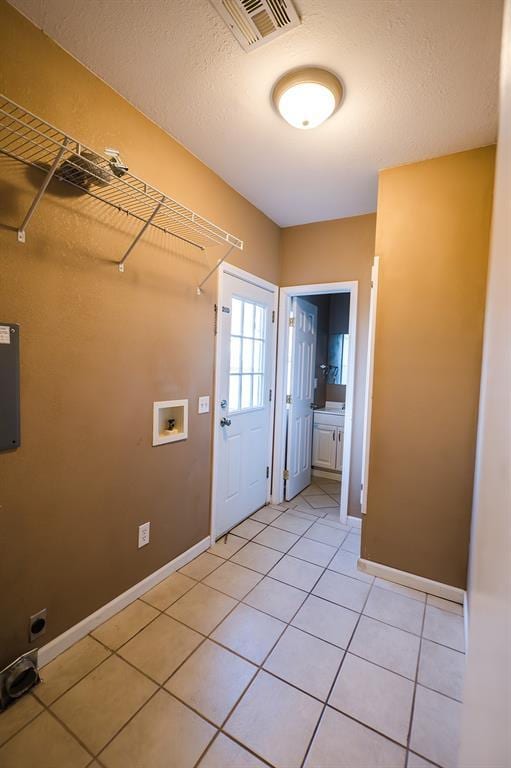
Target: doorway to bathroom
[{"x": 315, "y": 395}]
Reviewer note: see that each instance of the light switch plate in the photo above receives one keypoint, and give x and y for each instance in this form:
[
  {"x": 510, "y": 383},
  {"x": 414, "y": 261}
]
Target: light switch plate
[
  {"x": 204, "y": 404},
  {"x": 144, "y": 532}
]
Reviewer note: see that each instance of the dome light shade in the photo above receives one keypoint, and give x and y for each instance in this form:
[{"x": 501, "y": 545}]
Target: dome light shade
[{"x": 307, "y": 97}]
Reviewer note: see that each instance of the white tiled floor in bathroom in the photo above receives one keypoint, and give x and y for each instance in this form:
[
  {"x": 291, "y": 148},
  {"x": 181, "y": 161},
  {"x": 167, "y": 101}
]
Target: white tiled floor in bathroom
[{"x": 270, "y": 649}]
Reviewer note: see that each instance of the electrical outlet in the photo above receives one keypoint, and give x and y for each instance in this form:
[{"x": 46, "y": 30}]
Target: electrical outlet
[
  {"x": 204, "y": 404},
  {"x": 36, "y": 625},
  {"x": 144, "y": 532}
]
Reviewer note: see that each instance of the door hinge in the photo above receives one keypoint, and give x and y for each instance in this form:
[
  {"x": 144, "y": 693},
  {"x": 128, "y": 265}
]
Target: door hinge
[
  {"x": 269, "y": 399},
  {"x": 285, "y": 474},
  {"x": 288, "y": 399},
  {"x": 273, "y": 315},
  {"x": 267, "y": 471},
  {"x": 291, "y": 322}
]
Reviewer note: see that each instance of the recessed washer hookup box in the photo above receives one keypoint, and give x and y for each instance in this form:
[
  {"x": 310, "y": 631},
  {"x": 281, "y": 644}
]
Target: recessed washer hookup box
[{"x": 9, "y": 386}]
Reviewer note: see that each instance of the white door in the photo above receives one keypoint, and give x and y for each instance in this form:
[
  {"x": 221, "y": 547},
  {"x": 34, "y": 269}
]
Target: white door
[
  {"x": 301, "y": 389},
  {"x": 246, "y": 327},
  {"x": 325, "y": 446}
]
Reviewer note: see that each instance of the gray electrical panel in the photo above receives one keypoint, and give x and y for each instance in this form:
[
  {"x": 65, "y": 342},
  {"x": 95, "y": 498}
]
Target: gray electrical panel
[{"x": 9, "y": 386}]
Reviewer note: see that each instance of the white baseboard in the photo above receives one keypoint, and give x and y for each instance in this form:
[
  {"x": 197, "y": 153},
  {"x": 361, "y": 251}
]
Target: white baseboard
[
  {"x": 75, "y": 633},
  {"x": 455, "y": 594},
  {"x": 355, "y": 522}
]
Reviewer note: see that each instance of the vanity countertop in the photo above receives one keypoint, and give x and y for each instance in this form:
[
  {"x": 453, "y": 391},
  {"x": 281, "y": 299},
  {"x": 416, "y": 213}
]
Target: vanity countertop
[
  {"x": 332, "y": 408},
  {"x": 332, "y": 414}
]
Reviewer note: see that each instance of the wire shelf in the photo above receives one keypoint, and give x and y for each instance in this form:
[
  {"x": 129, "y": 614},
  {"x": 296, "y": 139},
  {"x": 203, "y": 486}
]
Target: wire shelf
[{"x": 35, "y": 142}]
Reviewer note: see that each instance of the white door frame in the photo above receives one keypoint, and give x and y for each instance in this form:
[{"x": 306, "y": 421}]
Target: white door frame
[
  {"x": 230, "y": 269},
  {"x": 279, "y": 452},
  {"x": 368, "y": 403}
]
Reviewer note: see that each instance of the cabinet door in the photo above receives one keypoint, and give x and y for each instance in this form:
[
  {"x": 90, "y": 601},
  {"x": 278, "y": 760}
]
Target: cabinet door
[
  {"x": 324, "y": 446},
  {"x": 340, "y": 447}
]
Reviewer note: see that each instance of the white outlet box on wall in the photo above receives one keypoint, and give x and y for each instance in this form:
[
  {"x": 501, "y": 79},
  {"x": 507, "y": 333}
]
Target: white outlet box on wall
[
  {"x": 170, "y": 421},
  {"x": 144, "y": 533},
  {"x": 203, "y": 404}
]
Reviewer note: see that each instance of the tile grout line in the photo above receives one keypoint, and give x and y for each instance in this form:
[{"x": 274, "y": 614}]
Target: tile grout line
[
  {"x": 260, "y": 668},
  {"x": 161, "y": 686},
  {"x": 334, "y": 681},
  {"x": 114, "y": 652},
  {"x": 240, "y": 601},
  {"x": 31, "y": 720},
  {"x": 417, "y": 666},
  {"x": 162, "y": 611},
  {"x": 327, "y": 600}
]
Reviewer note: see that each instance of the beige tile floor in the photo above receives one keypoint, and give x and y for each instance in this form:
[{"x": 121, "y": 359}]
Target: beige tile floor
[{"x": 271, "y": 649}]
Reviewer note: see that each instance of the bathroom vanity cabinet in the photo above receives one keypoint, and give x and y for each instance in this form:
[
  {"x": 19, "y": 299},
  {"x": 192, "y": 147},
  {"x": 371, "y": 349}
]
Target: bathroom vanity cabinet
[{"x": 328, "y": 438}]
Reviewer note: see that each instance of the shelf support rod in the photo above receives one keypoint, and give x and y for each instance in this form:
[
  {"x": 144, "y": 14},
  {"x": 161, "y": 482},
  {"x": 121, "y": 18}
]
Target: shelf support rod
[
  {"x": 213, "y": 270},
  {"x": 42, "y": 190},
  {"x": 135, "y": 241}
]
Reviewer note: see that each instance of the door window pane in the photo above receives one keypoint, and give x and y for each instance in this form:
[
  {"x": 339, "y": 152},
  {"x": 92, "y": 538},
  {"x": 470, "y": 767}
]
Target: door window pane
[
  {"x": 235, "y": 354},
  {"x": 258, "y": 357},
  {"x": 234, "y": 393},
  {"x": 247, "y": 349},
  {"x": 248, "y": 319},
  {"x": 248, "y": 355},
  {"x": 246, "y": 391},
  {"x": 236, "y": 311}
]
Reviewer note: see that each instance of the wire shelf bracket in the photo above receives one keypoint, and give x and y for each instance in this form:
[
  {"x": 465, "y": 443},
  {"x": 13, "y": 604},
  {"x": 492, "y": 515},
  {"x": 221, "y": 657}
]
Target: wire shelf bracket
[{"x": 35, "y": 142}]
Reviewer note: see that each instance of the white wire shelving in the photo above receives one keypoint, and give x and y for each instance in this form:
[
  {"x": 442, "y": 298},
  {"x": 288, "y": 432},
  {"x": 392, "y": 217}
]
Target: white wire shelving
[{"x": 35, "y": 142}]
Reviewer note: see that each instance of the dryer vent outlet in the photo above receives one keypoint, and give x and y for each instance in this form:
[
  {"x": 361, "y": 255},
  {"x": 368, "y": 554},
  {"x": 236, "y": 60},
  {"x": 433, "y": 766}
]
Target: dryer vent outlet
[
  {"x": 37, "y": 625},
  {"x": 18, "y": 678}
]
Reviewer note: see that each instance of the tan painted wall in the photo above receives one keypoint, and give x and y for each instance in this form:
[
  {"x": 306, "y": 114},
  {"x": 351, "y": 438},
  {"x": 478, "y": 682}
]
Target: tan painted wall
[
  {"x": 333, "y": 251},
  {"x": 432, "y": 237},
  {"x": 485, "y": 734},
  {"x": 97, "y": 348}
]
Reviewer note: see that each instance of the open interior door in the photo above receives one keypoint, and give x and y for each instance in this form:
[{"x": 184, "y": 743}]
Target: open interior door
[{"x": 300, "y": 389}]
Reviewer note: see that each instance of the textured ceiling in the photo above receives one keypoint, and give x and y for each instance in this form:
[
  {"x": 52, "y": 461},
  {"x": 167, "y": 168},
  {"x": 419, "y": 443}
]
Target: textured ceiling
[{"x": 420, "y": 79}]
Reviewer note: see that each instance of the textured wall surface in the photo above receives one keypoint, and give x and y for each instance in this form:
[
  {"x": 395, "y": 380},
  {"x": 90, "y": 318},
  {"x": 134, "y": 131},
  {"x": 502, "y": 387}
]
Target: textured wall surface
[
  {"x": 97, "y": 348},
  {"x": 432, "y": 237},
  {"x": 420, "y": 81}
]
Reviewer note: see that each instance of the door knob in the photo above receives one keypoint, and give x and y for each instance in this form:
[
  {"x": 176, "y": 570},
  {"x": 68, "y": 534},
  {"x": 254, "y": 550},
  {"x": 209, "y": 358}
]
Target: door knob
[{"x": 225, "y": 422}]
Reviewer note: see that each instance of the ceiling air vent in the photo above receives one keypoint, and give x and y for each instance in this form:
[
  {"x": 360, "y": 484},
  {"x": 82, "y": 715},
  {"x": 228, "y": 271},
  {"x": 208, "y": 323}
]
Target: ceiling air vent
[{"x": 255, "y": 22}]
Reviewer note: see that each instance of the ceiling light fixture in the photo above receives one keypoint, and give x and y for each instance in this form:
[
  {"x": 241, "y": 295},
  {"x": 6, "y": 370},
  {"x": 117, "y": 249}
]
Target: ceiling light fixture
[{"x": 308, "y": 96}]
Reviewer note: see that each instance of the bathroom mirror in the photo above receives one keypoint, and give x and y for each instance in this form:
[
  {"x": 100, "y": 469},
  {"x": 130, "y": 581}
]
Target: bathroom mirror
[{"x": 338, "y": 350}]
